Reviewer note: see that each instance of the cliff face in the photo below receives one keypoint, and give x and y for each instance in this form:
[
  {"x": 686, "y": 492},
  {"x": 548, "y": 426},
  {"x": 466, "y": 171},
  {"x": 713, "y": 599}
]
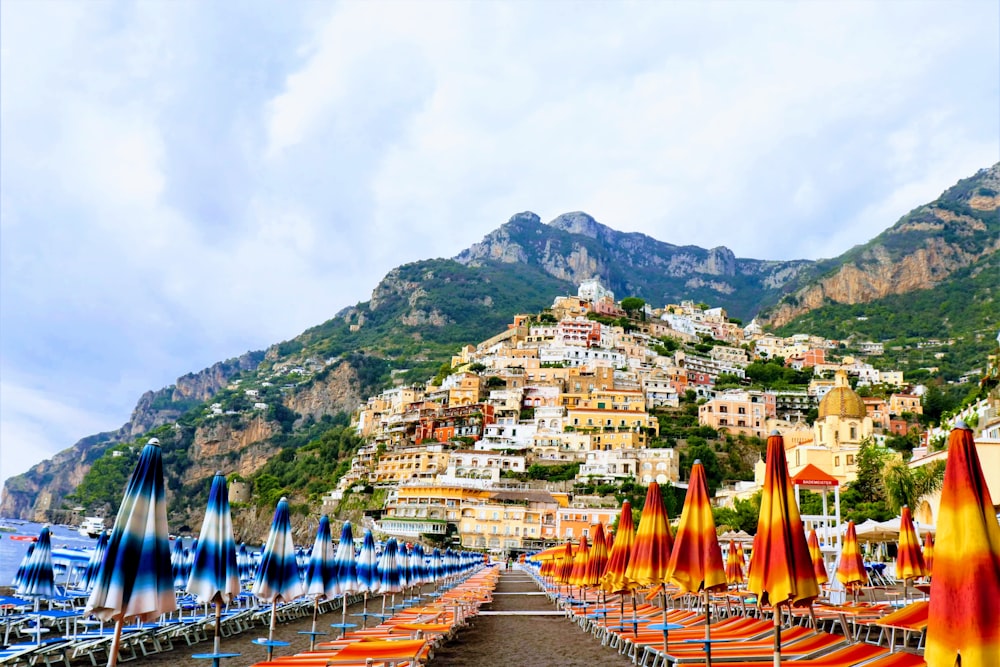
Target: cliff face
[
  {"x": 337, "y": 391},
  {"x": 920, "y": 251},
  {"x": 33, "y": 494}
]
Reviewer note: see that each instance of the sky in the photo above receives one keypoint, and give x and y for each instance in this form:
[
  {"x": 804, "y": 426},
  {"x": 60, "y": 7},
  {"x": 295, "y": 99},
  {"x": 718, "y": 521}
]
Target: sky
[{"x": 181, "y": 182}]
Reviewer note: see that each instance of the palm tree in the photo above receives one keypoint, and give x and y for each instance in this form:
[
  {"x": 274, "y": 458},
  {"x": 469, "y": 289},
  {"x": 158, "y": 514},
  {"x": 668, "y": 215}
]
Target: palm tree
[{"x": 906, "y": 486}]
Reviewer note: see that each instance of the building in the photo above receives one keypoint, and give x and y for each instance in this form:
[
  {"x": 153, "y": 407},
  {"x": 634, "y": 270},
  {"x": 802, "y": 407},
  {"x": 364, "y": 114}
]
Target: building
[
  {"x": 739, "y": 411},
  {"x": 900, "y": 403},
  {"x": 578, "y": 521},
  {"x": 658, "y": 465}
]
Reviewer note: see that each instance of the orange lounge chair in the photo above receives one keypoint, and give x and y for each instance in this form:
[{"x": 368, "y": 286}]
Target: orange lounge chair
[
  {"x": 848, "y": 656},
  {"x": 391, "y": 653}
]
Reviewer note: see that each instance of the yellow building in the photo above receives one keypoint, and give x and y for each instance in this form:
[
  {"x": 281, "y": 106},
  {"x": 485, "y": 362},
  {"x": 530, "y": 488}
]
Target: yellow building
[
  {"x": 426, "y": 508},
  {"x": 465, "y": 390},
  {"x": 408, "y": 463},
  {"x": 988, "y": 450},
  {"x": 509, "y": 520}
]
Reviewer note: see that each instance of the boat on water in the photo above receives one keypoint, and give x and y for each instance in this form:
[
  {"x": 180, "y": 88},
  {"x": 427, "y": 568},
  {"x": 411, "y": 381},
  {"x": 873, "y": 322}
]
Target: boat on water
[
  {"x": 24, "y": 538},
  {"x": 92, "y": 526}
]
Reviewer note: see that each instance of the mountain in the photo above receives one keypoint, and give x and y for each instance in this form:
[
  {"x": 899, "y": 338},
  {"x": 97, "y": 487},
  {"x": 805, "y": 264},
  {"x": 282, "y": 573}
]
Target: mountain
[{"x": 421, "y": 313}]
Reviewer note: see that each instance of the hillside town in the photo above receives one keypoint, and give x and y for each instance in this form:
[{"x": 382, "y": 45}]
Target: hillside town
[{"x": 581, "y": 383}]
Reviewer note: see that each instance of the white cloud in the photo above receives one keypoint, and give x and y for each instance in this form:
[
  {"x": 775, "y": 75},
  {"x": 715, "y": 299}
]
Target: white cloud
[{"x": 182, "y": 182}]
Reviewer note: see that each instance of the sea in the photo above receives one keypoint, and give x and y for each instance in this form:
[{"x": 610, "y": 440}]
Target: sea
[{"x": 13, "y": 551}]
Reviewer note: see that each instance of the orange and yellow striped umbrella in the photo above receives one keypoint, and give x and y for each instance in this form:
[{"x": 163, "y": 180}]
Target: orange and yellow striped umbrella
[
  {"x": 696, "y": 559},
  {"x": 851, "y": 570},
  {"x": 928, "y": 553},
  {"x": 909, "y": 560},
  {"x": 565, "y": 567},
  {"x": 963, "y": 625},
  {"x": 734, "y": 565},
  {"x": 598, "y": 557},
  {"x": 578, "y": 575},
  {"x": 740, "y": 557},
  {"x": 614, "y": 579},
  {"x": 780, "y": 567},
  {"x": 819, "y": 567},
  {"x": 653, "y": 542}
]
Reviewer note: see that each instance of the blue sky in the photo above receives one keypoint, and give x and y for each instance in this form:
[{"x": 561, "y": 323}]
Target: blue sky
[{"x": 183, "y": 181}]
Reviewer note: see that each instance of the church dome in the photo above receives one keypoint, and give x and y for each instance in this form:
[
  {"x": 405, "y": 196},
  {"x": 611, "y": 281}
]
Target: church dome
[{"x": 842, "y": 401}]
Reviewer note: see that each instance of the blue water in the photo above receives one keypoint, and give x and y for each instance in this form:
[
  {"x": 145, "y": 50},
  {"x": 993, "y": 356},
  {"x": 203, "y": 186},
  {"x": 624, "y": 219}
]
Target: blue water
[{"x": 12, "y": 551}]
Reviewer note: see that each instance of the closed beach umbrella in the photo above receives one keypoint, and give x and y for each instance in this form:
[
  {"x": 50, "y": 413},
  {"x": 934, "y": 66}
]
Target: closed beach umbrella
[
  {"x": 189, "y": 561},
  {"x": 565, "y": 567},
  {"x": 37, "y": 580},
  {"x": 278, "y": 575},
  {"x": 135, "y": 579},
  {"x": 651, "y": 551},
  {"x": 94, "y": 564},
  {"x": 740, "y": 556},
  {"x": 321, "y": 571},
  {"x": 346, "y": 569},
  {"x": 581, "y": 559},
  {"x": 816, "y": 555},
  {"x": 696, "y": 559},
  {"x": 19, "y": 575},
  {"x": 598, "y": 560},
  {"x": 436, "y": 566},
  {"x": 614, "y": 580},
  {"x": 909, "y": 560},
  {"x": 367, "y": 569},
  {"x": 962, "y": 627},
  {"x": 781, "y": 571},
  {"x": 215, "y": 576},
  {"x": 851, "y": 570},
  {"x": 734, "y": 566},
  {"x": 243, "y": 563},
  {"x": 389, "y": 575},
  {"x": 928, "y": 553},
  {"x": 178, "y": 563}
]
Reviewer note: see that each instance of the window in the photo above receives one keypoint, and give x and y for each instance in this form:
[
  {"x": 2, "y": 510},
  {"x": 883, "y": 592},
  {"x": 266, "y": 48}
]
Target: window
[
  {"x": 723, "y": 408},
  {"x": 836, "y": 461},
  {"x": 850, "y": 459}
]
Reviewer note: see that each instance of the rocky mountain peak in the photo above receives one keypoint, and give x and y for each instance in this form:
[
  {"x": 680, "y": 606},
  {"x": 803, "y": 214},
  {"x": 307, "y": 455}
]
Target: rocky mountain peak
[{"x": 578, "y": 222}]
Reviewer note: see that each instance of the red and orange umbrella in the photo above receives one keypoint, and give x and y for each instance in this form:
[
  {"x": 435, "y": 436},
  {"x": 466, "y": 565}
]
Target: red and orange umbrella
[
  {"x": 928, "y": 553},
  {"x": 565, "y": 567},
  {"x": 740, "y": 556},
  {"x": 819, "y": 567},
  {"x": 909, "y": 560},
  {"x": 578, "y": 575},
  {"x": 851, "y": 570},
  {"x": 598, "y": 557},
  {"x": 781, "y": 570},
  {"x": 696, "y": 559},
  {"x": 734, "y": 565},
  {"x": 651, "y": 551},
  {"x": 614, "y": 579},
  {"x": 962, "y": 626}
]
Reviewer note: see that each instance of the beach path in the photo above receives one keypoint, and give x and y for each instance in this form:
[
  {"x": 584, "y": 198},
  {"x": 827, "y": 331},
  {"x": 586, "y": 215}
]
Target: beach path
[{"x": 521, "y": 627}]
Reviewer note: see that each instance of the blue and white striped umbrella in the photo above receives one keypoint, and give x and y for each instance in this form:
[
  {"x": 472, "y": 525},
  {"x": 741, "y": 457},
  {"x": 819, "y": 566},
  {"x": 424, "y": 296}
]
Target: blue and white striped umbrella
[
  {"x": 38, "y": 581},
  {"x": 321, "y": 571},
  {"x": 244, "y": 563},
  {"x": 347, "y": 565},
  {"x": 437, "y": 565},
  {"x": 389, "y": 574},
  {"x": 367, "y": 565},
  {"x": 278, "y": 575},
  {"x": 135, "y": 579},
  {"x": 417, "y": 576},
  {"x": 189, "y": 561},
  {"x": 94, "y": 564},
  {"x": 214, "y": 575},
  {"x": 19, "y": 575},
  {"x": 177, "y": 563}
]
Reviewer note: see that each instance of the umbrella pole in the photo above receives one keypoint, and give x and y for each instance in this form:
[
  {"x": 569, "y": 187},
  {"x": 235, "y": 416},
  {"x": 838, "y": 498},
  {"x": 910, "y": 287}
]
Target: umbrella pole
[
  {"x": 116, "y": 642},
  {"x": 364, "y": 612},
  {"x": 343, "y": 615},
  {"x": 312, "y": 636},
  {"x": 270, "y": 631},
  {"x": 777, "y": 636},
  {"x": 663, "y": 591},
  {"x": 218, "y": 619},
  {"x": 635, "y": 622},
  {"x": 708, "y": 630}
]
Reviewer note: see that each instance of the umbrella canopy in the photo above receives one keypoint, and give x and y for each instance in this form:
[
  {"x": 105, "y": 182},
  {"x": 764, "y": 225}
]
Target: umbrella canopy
[
  {"x": 614, "y": 579},
  {"x": 780, "y": 567},
  {"x": 819, "y": 567},
  {"x": 966, "y": 586},
  {"x": 581, "y": 561},
  {"x": 598, "y": 557},
  {"x": 346, "y": 567},
  {"x": 278, "y": 575},
  {"x": 321, "y": 571},
  {"x": 367, "y": 564},
  {"x": 390, "y": 577},
  {"x": 436, "y": 567},
  {"x": 565, "y": 571},
  {"x": 19, "y": 575},
  {"x": 37, "y": 580},
  {"x": 734, "y": 565},
  {"x": 94, "y": 564},
  {"x": 909, "y": 560},
  {"x": 215, "y": 576},
  {"x": 653, "y": 542},
  {"x": 851, "y": 570},
  {"x": 243, "y": 562},
  {"x": 178, "y": 558},
  {"x": 928, "y": 553},
  {"x": 696, "y": 559},
  {"x": 136, "y": 579}
]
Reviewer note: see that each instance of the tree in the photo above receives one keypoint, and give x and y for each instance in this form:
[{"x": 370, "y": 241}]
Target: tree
[
  {"x": 907, "y": 486},
  {"x": 631, "y": 304},
  {"x": 871, "y": 460}
]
